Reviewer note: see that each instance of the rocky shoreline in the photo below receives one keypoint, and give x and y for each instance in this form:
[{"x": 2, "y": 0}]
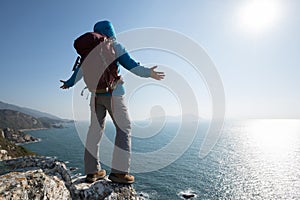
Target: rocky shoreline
[
  {"x": 26, "y": 176},
  {"x": 48, "y": 178},
  {"x": 32, "y": 129},
  {"x": 17, "y": 137}
]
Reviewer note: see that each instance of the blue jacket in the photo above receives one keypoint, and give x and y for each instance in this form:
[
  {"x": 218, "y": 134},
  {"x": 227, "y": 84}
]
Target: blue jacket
[{"x": 123, "y": 58}]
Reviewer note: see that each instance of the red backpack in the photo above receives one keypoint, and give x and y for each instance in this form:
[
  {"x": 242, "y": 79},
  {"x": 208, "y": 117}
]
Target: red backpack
[{"x": 97, "y": 60}]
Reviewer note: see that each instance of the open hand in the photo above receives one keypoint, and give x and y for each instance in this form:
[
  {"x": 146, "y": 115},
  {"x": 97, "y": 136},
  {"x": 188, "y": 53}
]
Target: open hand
[
  {"x": 64, "y": 86},
  {"x": 157, "y": 75}
]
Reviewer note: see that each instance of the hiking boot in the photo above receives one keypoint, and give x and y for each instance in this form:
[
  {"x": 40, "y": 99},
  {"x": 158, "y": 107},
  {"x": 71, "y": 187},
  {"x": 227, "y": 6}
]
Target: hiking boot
[
  {"x": 121, "y": 178},
  {"x": 90, "y": 178}
]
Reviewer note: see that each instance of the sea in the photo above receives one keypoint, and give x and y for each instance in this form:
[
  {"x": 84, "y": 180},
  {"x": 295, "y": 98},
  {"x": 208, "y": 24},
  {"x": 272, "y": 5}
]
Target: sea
[{"x": 252, "y": 159}]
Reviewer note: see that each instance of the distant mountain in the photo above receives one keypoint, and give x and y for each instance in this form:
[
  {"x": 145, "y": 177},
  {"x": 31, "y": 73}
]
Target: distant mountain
[
  {"x": 28, "y": 111},
  {"x": 50, "y": 122},
  {"x": 17, "y": 120}
]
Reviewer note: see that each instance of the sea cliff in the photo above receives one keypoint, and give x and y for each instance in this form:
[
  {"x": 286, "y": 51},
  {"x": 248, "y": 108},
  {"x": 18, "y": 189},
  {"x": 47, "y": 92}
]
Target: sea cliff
[{"x": 48, "y": 178}]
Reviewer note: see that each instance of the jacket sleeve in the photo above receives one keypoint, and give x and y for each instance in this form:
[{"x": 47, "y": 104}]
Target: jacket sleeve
[
  {"x": 76, "y": 76},
  {"x": 129, "y": 63}
]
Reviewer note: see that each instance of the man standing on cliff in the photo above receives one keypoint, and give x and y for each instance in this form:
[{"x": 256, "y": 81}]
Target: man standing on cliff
[{"x": 113, "y": 102}]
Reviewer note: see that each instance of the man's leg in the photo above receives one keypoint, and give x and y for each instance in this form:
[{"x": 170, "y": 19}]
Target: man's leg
[
  {"x": 95, "y": 132},
  {"x": 121, "y": 155}
]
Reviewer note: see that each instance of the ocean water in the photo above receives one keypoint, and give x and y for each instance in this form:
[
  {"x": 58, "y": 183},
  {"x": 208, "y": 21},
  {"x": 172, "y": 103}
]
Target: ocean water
[{"x": 253, "y": 159}]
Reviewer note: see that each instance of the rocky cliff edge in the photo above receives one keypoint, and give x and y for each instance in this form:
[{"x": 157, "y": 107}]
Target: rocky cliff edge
[{"x": 48, "y": 178}]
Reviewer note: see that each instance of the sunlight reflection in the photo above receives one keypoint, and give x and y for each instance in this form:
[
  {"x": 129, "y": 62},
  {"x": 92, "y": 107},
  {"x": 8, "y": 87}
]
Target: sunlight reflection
[
  {"x": 273, "y": 135},
  {"x": 272, "y": 156}
]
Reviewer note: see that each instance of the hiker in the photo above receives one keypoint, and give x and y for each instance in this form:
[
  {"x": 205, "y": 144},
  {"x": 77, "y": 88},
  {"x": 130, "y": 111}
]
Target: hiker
[{"x": 113, "y": 102}]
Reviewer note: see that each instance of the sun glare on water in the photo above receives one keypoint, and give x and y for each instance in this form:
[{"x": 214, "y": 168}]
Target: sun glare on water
[
  {"x": 256, "y": 16},
  {"x": 275, "y": 136}
]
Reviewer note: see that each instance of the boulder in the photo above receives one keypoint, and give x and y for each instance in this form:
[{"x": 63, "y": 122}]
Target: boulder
[
  {"x": 27, "y": 137},
  {"x": 102, "y": 189},
  {"x": 48, "y": 178},
  {"x": 32, "y": 184},
  {"x": 34, "y": 178},
  {"x": 4, "y": 155}
]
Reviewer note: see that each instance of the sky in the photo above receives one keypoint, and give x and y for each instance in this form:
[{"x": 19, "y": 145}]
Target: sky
[{"x": 255, "y": 48}]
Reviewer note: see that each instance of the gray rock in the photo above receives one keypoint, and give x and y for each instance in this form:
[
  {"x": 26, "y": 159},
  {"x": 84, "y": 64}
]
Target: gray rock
[
  {"x": 27, "y": 137},
  {"x": 20, "y": 140},
  {"x": 34, "y": 178},
  {"x": 3, "y": 151},
  {"x": 7, "y": 132},
  {"x": 2, "y": 133},
  {"x": 18, "y": 137},
  {"x": 3, "y": 155},
  {"x": 32, "y": 184},
  {"x": 48, "y": 178},
  {"x": 102, "y": 189},
  {"x": 7, "y": 129}
]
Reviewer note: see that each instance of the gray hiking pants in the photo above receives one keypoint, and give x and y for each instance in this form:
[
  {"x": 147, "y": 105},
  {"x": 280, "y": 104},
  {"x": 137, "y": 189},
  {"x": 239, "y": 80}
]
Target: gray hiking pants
[{"x": 118, "y": 111}]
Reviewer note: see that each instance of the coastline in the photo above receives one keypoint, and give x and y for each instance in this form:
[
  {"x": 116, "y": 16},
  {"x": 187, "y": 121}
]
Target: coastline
[
  {"x": 25, "y": 131},
  {"x": 32, "y": 129},
  {"x": 21, "y": 144}
]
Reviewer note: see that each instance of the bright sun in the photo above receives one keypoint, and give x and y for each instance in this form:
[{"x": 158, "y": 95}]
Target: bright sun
[{"x": 259, "y": 15}]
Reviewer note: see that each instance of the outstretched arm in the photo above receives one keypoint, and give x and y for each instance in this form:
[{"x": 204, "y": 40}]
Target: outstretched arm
[
  {"x": 76, "y": 76},
  {"x": 130, "y": 64}
]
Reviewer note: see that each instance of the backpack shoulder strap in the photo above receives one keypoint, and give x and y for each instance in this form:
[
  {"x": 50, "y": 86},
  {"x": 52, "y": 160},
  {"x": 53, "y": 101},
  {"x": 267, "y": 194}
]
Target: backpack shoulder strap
[{"x": 77, "y": 63}]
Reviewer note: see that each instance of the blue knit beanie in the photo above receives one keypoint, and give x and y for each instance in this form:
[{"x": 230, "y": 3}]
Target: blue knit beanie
[{"x": 105, "y": 28}]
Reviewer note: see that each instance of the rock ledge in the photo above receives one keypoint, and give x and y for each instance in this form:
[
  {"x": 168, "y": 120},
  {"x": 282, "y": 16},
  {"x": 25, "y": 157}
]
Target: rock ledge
[{"x": 48, "y": 178}]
